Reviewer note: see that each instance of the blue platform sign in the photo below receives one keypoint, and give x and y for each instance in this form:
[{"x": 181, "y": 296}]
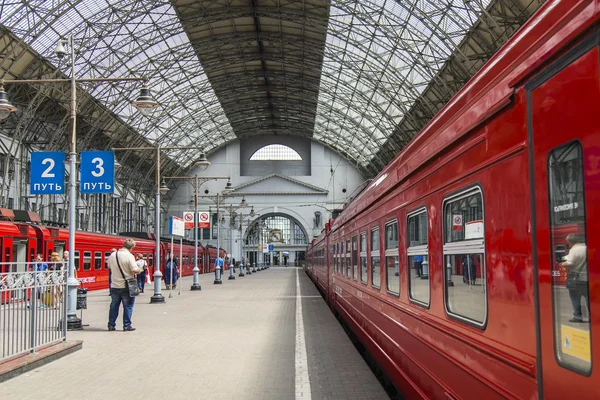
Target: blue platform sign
[
  {"x": 47, "y": 172},
  {"x": 271, "y": 247},
  {"x": 97, "y": 172}
]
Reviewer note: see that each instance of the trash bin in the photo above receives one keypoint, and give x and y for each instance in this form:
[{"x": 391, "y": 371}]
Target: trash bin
[{"x": 82, "y": 299}]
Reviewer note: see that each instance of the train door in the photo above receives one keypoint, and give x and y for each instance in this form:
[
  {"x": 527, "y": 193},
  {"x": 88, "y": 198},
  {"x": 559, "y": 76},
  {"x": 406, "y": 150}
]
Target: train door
[
  {"x": 50, "y": 249},
  {"x": 59, "y": 247},
  {"x": 564, "y": 138},
  {"x": 19, "y": 255}
]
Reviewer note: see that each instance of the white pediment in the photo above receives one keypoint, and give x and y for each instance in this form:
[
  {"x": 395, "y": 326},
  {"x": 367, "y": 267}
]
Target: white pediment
[{"x": 278, "y": 184}]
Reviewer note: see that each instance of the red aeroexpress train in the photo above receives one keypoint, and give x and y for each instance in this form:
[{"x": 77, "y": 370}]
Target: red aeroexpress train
[
  {"x": 450, "y": 266},
  {"x": 20, "y": 242}
]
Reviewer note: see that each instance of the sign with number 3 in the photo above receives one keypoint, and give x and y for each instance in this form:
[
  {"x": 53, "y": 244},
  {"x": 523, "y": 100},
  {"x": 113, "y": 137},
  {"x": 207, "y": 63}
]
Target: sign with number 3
[{"x": 97, "y": 172}]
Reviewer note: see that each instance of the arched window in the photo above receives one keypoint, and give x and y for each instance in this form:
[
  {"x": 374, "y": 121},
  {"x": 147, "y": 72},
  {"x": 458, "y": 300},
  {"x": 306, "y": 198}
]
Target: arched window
[{"x": 275, "y": 152}]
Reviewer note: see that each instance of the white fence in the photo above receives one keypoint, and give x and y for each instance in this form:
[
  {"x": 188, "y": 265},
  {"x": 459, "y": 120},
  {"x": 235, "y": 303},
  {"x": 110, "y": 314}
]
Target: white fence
[{"x": 33, "y": 306}]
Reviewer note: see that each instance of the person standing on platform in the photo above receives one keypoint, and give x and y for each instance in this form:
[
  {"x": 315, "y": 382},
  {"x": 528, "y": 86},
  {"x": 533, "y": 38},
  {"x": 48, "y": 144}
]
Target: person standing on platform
[
  {"x": 141, "y": 278},
  {"x": 122, "y": 265},
  {"x": 39, "y": 266},
  {"x": 112, "y": 251},
  {"x": 577, "y": 275},
  {"x": 171, "y": 272}
]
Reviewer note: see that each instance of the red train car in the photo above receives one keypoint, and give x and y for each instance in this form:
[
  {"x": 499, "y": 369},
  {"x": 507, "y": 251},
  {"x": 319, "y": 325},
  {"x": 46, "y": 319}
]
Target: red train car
[
  {"x": 446, "y": 267},
  {"x": 20, "y": 242}
]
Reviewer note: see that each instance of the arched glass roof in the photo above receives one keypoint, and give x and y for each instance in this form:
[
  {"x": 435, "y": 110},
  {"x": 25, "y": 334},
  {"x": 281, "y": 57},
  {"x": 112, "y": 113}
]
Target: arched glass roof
[{"x": 359, "y": 76}]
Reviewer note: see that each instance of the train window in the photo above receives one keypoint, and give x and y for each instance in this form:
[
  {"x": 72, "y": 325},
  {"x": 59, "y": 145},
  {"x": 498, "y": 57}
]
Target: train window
[
  {"x": 106, "y": 255},
  {"x": 342, "y": 258},
  {"x": 571, "y": 301},
  {"x": 464, "y": 257},
  {"x": 392, "y": 260},
  {"x": 335, "y": 261},
  {"x": 363, "y": 257},
  {"x": 348, "y": 258},
  {"x": 375, "y": 260},
  {"x": 87, "y": 260},
  {"x": 354, "y": 258},
  {"x": 418, "y": 256},
  {"x": 97, "y": 260},
  {"x": 76, "y": 260}
]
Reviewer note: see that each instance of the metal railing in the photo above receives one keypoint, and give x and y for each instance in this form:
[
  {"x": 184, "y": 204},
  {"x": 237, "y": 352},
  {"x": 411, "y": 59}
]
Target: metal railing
[{"x": 32, "y": 306}]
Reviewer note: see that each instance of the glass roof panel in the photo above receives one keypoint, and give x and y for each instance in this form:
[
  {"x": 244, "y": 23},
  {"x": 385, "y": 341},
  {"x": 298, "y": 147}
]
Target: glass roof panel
[
  {"x": 380, "y": 55},
  {"x": 117, "y": 38}
]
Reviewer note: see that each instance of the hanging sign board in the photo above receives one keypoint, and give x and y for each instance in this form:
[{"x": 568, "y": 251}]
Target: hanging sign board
[
  {"x": 47, "y": 172},
  {"x": 204, "y": 220},
  {"x": 97, "y": 172},
  {"x": 188, "y": 219},
  {"x": 457, "y": 222},
  {"x": 176, "y": 226}
]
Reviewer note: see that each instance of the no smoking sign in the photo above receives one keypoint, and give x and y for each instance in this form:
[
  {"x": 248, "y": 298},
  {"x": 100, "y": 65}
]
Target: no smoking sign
[{"x": 204, "y": 220}]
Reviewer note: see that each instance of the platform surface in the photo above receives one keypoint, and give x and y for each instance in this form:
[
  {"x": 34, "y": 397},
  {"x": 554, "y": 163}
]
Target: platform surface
[{"x": 255, "y": 337}]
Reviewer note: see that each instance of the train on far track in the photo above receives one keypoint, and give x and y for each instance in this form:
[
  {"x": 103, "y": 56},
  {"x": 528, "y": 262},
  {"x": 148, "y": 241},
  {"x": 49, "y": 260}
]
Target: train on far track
[
  {"x": 21, "y": 242},
  {"x": 469, "y": 268}
]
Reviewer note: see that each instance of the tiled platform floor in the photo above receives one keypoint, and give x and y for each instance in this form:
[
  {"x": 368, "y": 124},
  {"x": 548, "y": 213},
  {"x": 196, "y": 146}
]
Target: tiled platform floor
[{"x": 231, "y": 341}]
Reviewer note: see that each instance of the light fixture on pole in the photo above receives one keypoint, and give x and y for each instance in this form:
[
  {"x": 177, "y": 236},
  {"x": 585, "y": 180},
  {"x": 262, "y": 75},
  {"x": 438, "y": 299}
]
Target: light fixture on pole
[
  {"x": 5, "y": 107},
  {"x": 202, "y": 162},
  {"x": 163, "y": 187},
  {"x": 145, "y": 103},
  {"x": 228, "y": 188},
  {"x": 198, "y": 181}
]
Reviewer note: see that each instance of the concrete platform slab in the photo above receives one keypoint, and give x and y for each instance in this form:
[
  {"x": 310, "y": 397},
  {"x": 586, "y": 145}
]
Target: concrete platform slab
[{"x": 239, "y": 340}]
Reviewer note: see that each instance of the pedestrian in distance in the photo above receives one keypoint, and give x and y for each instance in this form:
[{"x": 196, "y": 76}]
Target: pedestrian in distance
[
  {"x": 56, "y": 265},
  {"x": 122, "y": 266},
  {"x": 39, "y": 266},
  {"x": 171, "y": 274},
  {"x": 141, "y": 278}
]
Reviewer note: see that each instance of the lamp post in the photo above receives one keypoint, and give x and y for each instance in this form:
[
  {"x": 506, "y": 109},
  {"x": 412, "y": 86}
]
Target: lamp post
[
  {"x": 244, "y": 204},
  {"x": 144, "y": 102},
  {"x": 161, "y": 188},
  {"x": 198, "y": 181}
]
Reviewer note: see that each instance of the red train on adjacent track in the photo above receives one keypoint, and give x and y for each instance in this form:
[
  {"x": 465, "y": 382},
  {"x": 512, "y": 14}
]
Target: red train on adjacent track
[
  {"x": 450, "y": 266},
  {"x": 20, "y": 242}
]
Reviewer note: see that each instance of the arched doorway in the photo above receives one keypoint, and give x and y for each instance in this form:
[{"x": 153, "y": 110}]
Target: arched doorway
[{"x": 275, "y": 239}]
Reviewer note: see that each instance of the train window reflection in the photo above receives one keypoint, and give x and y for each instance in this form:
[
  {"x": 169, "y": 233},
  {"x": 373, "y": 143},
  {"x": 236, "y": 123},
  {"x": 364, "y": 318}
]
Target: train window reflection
[
  {"x": 363, "y": 257},
  {"x": 342, "y": 258},
  {"x": 375, "y": 262},
  {"x": 87, "y": 260},
  {"x": 348, "y": 258},
  {"x": 76, "y": 260},
  {"x": 464, "y": 257},
  {"x": 97, "y": 260},
  {"x": 570, "y": 288},
  {"x": 354, "y": 258},
  {"x": 392, "y": 266},
  {"x": 106, "y": 255},
  {"x": 418, "y": 257}
]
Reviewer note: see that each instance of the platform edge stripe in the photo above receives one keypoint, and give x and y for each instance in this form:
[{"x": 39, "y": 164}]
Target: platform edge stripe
[{"x": 302, "y": 380}]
